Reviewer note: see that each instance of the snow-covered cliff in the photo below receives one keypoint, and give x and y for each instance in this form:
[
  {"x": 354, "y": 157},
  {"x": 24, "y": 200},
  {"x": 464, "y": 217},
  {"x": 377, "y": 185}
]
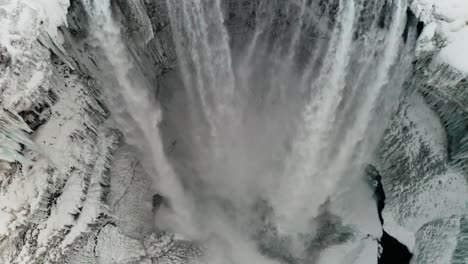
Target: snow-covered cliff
[
  {"x": 53, "y": 189},
  {"x": 423, "y": 155}
]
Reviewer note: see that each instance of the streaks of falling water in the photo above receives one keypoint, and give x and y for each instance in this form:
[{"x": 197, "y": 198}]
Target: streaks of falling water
[
  {"x": 310, "y": 169},
  {"x": 279, "y": 130},
  {"x": 205, "y": 59},
  {"x": 305, "y": 165},
  {"x": 330, "y": 140},
  {"x": 140, "y": 106},
  {"x": 374, "y": 88}
]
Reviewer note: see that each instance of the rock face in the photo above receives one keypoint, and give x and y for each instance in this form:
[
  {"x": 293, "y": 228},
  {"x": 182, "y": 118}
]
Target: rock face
[
  {"x": 72, "y": 190},
  {"x": 53, "y": 188},
  {"x": 416, "y": 141},
  {"x": 422, "y": 161}
]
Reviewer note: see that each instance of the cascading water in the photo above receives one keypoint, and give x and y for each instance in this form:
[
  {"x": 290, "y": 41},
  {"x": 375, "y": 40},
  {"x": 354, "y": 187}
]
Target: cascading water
[
  {"x": 133, "y": 104},
  {"x": 283, "y": 123}
]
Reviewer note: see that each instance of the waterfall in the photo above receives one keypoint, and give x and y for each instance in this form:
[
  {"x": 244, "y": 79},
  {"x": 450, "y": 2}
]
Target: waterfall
[
  {"x": 278, "y": 126},
  {"x": 310, "y": 170},
  {"x": 139, "y": 108},
  {"x": 304, "y": 167},
  {"x": 205, "y": 59},
  {"x": 304, "y": 121}
]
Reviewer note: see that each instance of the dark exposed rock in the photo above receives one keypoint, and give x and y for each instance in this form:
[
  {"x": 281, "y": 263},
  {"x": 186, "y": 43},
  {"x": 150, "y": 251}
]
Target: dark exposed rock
[
  {"x": 375, "y": 181},
  {"x": 393, "y": 252},
  {"x": 5, "y": 58},
  {"x": 157, "y": 201}
]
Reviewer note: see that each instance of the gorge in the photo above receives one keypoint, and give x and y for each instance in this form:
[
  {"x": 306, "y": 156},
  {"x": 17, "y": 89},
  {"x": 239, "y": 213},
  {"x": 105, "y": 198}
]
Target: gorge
[{"x": 233, "y": 131}]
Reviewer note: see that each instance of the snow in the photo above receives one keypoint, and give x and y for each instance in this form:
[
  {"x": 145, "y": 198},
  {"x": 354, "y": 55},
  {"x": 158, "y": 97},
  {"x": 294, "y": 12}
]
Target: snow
[
  {"x": 21, "y": 200},
  {"x": 424, "y": 187},
  {"x": 54, "y": 203},
  {"x": 455, "y": 52},
  {"x": 443, "y": 10},
  {"x": 35, "y": 80},
  {"x": 53, "y": 13},
  {"x": 12, "y": 134},
  {"x": 115, "y": 248},
  {"x": 437, "y": 241},
  {"x": 25, "y": 78},
  {"x": 451, "y": 10},
  {"x": 61, "y": 190},
  {"x": 130, "y": 196},
  {"x": 451, "y": 18},
  {"x": 423, "y": 206},
  {"x": 426, "y": 126},
  {"x": 5, "y": 219}
]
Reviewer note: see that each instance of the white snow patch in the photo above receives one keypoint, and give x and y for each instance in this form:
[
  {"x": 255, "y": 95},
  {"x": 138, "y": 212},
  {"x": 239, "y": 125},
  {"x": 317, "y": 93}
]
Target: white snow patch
[
  {"x": 115, "y": 248},
  {"x": 436, "y": 241},
  {"x": 442, "y": 10},
  {"x": 442, "y": 196},
  {"x": 451, "y": 17},
  {"x": 455, "y": 53},
  {"x": 22, "y": 199},
  {"x": 35, "y": 80},
  {"x": 417, "y": 199},
  {"x": 427, "y": 126},
  {"x": 52, "y": 13},
  {"x": 25, "y": 79}
]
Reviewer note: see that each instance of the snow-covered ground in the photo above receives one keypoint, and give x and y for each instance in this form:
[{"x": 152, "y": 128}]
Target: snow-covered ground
[
  {"x": 423, "y": 191},
  {"x": 449, "y": 20}
]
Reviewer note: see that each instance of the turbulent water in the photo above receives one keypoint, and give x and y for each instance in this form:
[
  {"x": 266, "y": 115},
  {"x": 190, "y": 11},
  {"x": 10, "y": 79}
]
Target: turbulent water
[{"x": 276, "y": 127}]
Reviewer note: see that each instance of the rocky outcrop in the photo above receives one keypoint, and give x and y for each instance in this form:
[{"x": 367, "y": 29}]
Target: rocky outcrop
[
  {"x": 64, "y": 177},
  {"x": 129, "y": 235},
  {"x": 420, "y": 183},
  {"x": 54, "y": 176},
  {"x": 423, "y": 155},
  {"x": 439, "y": 72}
]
